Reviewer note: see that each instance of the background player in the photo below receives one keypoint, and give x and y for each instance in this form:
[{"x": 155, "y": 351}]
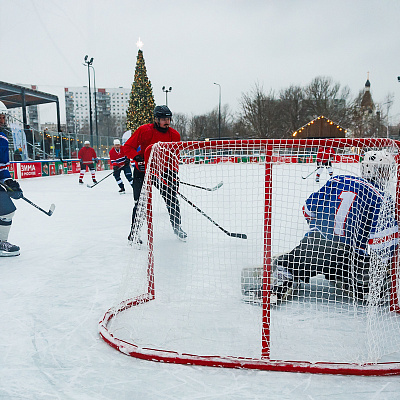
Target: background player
[
  {"x": 88, "y": 158},
  {"x": 120, "y": 162},
  {"x": 325, "y": 156}
]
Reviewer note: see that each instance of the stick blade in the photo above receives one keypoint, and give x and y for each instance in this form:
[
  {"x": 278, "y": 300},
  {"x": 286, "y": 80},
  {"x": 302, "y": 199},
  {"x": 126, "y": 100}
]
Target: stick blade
[
  {"x": 217, "y": 186},
  {"x": 238, "y": 235},
  {"x": 52, "y": 208}
]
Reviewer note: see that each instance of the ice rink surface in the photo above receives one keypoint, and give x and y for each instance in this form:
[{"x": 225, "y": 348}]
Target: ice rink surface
[{"x": 67, "y": 276}]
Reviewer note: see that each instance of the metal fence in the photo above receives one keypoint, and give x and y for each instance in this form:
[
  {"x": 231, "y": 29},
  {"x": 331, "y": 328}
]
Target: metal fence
[{"x": 32, "y": 144}]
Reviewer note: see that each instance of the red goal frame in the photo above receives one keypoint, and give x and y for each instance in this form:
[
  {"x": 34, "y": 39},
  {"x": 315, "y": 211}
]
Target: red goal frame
[{"x": 264, "y": 362}]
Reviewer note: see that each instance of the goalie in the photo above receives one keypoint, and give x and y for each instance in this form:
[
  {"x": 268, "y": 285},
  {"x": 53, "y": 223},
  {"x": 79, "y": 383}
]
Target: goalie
[{"x": 351, "y": 224}]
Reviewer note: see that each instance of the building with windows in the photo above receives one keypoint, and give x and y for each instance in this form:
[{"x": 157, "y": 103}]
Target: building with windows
[{"x": 111, "y": 105}]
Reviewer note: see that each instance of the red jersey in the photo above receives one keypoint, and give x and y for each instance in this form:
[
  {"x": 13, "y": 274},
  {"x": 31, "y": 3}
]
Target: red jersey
[
  {"x": 144, "y": 137},
  {"x": 325, "y": 154},
  {"x": 117, "y": 157},
  {"x": 87, "y": 155}
]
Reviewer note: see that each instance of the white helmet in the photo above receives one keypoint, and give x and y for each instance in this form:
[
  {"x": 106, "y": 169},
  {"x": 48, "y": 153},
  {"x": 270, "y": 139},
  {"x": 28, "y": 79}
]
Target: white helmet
[
  {"x": 117, "y": 141},
  {"x": 3, "y": 108},
  {"x": 378, "y": 166},
  {"x": 4, "y": 111}
]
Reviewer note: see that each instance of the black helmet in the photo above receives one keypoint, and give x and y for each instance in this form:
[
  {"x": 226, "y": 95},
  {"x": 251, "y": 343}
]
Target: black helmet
[{"x": 162, "y": 112}]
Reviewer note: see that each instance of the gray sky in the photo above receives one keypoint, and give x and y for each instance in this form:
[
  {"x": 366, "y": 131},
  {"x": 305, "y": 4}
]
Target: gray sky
[{"x": 189, "y": 45}]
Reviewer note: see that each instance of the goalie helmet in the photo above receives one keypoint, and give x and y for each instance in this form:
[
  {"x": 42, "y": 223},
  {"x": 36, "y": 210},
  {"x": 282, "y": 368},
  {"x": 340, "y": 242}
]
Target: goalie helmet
[{"x": 378, "y": 166}]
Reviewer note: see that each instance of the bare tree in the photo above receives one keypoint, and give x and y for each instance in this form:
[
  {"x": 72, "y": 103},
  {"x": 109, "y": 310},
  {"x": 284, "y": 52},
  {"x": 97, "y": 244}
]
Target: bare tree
[
  {"x": 293, "y": 110},
  {"x": 181, "y": 123},
  {"x": 258, "y": 113},
  {"x": 325, "y": 97}
]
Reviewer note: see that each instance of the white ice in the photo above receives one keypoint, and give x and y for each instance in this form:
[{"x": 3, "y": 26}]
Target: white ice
[{"x": 53, "y": 295}]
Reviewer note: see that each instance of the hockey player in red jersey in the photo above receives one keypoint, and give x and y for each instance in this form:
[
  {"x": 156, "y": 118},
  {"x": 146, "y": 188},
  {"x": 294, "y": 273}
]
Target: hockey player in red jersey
[
  {"x": 120, "y": 162},
  {"x": 138, "y": 148},
  {"x": 324, "y": 160},
  {"x": 88, "y": 158}
]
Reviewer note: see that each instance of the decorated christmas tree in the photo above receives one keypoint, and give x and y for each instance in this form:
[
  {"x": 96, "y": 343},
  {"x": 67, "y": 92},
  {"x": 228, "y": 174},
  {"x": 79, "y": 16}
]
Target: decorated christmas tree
[{"x": 141, "y": 102}]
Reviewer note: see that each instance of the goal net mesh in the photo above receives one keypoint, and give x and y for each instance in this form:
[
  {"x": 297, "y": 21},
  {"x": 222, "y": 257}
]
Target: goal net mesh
[{"x": 241, "y": 205}]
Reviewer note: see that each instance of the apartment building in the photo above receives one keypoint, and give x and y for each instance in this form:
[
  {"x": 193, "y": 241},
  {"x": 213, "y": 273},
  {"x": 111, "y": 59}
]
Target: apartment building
[{"x": 112, "y": 104}]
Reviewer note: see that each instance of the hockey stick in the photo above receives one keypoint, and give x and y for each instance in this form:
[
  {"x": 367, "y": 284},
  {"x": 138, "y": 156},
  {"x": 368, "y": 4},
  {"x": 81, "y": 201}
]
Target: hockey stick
[
  {"x": 204, "y": 188},
  {"x": 237, "y": 235},
  {"x": 305, "y": 177},
  {"x": 90, "y": 186},
  {"x": 49, "y": 213}
]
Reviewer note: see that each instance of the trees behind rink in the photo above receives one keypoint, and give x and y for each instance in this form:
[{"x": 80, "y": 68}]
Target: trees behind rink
[{"x": 264, "y": 115}]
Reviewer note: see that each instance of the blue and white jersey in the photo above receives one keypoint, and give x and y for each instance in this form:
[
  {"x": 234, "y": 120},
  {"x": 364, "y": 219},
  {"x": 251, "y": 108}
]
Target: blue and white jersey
[
  {"x": 4, "y": 157},
  {"x": 354, "y": 211}
]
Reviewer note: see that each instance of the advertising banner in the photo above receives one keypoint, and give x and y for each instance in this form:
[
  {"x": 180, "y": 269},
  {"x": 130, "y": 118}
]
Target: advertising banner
[{"x": 29, "y": 170}]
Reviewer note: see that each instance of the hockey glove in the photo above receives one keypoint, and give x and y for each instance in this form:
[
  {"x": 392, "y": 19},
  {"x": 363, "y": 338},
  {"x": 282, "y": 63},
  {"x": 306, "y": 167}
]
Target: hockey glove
[
  {"x": 127, "y": 161},
  {"x": 96, "y": 160},
  {"x": 140, "y": 163},
  {"x": 14, "y": 190}
]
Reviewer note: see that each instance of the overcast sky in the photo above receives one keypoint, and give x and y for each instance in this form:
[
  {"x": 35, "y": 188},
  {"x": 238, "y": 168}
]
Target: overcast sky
[{"x": 189, "y": 45}]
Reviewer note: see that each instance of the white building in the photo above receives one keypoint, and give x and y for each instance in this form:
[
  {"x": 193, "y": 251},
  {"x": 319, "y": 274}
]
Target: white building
[{"x": 111, "y": 102}]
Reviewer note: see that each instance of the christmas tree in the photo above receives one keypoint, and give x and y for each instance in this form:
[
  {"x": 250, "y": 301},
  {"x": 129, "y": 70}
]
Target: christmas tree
[{"x": 141, "y": 102}]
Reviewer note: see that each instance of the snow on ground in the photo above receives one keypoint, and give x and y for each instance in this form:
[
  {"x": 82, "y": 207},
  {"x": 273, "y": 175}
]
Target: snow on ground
[{"x": 53, "y": 295}]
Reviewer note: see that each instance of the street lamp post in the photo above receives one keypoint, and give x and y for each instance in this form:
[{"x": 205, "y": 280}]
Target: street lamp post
[
  {"x": 95, "y": 108},
  {"x": 89, "y": 63},
  {"x": 166, "y": 91},
  {"x": 219, "y": 111}
]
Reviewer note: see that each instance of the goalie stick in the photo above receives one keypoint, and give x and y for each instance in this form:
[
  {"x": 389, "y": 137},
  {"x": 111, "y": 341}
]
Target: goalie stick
[
  {"x": 216, "y": 187},
  {"x": 49, "y": 213}
]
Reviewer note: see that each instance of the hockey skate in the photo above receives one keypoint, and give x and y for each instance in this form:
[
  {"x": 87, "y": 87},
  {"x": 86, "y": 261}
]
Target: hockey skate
[
  {"x": 182, "y": 235},
  {"x": 251, "y": 285},
  {"x": 282, "y": 284},
  {"x": 134, "y": 238},
  {"x": 121, "y": 191},
  {"x": 80, "y": 181},
  {"x": 8, "y": 249}
]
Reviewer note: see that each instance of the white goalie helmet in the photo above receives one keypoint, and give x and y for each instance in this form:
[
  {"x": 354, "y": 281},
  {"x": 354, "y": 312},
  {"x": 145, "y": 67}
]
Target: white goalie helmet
[{"x": 378, "y": 166}]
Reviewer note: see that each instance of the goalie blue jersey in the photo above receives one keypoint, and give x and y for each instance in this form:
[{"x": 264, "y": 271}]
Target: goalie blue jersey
[{"x": 354, "y": 211}]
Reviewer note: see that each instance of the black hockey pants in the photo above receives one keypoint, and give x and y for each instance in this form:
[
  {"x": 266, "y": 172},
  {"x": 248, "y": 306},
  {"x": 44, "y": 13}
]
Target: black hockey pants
[
  {"x": 168, "y": 186},
  {"x": 337, "y": 262}
]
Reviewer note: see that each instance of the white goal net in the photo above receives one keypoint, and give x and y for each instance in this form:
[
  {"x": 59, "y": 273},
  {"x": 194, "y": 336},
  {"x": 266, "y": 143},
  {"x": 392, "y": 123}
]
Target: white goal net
[{"x": 288, "y": 264}]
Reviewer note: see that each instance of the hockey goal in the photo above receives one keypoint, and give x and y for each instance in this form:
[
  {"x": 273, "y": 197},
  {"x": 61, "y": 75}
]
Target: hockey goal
[{"x": 241, "y": 206}]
